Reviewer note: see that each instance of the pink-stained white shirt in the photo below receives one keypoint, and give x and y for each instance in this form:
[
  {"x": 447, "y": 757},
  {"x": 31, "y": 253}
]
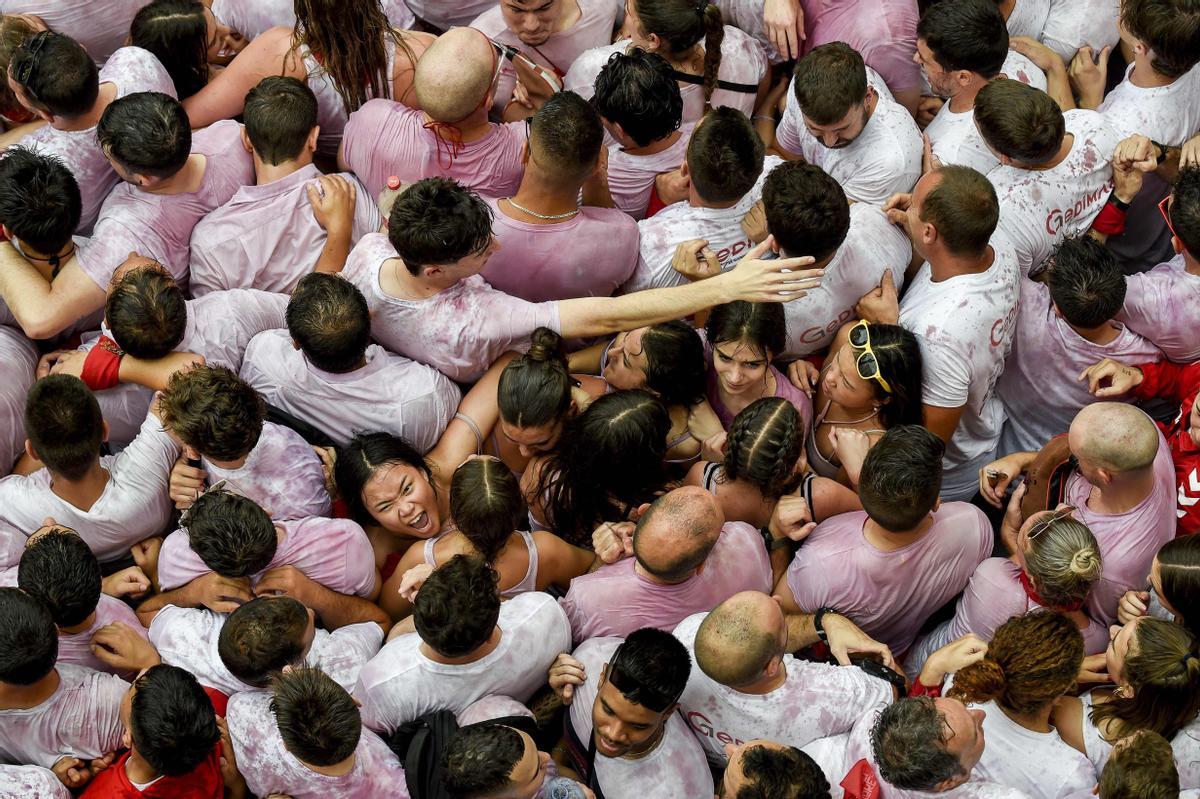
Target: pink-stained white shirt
[
  {"x": 889, "y": 594},
  {"x": 884, "y": 160},
  {"x": 81, "y": 718},
  {"x": 682, "y": 221},
  {"x": 77, "y": 647},
  {"x": 385, "y": 138},
  {"x": 1164, "y": 306},
  {"x": 267, "y": 238},
  {"x": 884, "y": 32},
  {"x": 421, "y": 401},
  {"x": 674, "y": 769},
  {"x": 597, "y": 22},
  {"x": 993, "y": 596},
  {"x": 101, "y": 26},
  {"x": 743, "y": 61},
  {"x": 1128, "y": 541},
  {"x": 1040, "y": 764},
  {"x": 1071, "y": 24},
  {"x": 873, "y": 246},
  {"x": 252, "y": 18},
  {"x": 446, "y": 14},
  {"x": 965, "y": 327},
  {"x": 331, "y": 108},
  {"x": 18, "y": 362},
  {"x": 1186, "y": 745},
  {"x": 1039, "y": 208},
  {"x": 133, "y": 506},
  {"x": 31, "y": 782},
  {"x": 1047, "y": 354},
  {"x": 282, "y": 474},
  {"x": 1028, "y": 18},
  {"x": 269, "y": 767},
  {"x": 160, "y": 226},
  {"x": 816, "y": 700},
  {"x": 188, "y": 638},
  {"x": 460, "y": 331},
  {"x": 401, "y": 684},
  {"x": 616, "y": 600},
  {"x": 631, "y": 177},
  {"x": 129, "y": 70},
  {"x": 333, "y": 552},
  {"x": 747, "y": 15},
  {"x": 589, "y": 255}
]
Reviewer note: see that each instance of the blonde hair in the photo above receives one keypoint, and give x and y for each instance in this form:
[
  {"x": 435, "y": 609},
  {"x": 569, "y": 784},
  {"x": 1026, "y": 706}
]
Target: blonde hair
[{"x": 1064, "y": 562}]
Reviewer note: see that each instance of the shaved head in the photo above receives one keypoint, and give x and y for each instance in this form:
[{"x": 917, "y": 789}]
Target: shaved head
[
  {"x": 454, "y": 75},
  {"x": 676, "y": 534},
  {"x": 1114, "y": 436},
  {"x": 736, "y": 641}
]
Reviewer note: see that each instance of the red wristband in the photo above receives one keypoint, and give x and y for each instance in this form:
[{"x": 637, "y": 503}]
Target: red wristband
[
  {"x": 921, "y": 689},
  {"x": 102, "y": 365},
  {"x": 1110, "y": 221}
]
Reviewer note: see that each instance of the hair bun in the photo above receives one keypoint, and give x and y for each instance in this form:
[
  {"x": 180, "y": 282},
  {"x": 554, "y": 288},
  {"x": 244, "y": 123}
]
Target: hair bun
[
  {"x": 1086, "y": 563},
  {"x": 546, "y": 345}
]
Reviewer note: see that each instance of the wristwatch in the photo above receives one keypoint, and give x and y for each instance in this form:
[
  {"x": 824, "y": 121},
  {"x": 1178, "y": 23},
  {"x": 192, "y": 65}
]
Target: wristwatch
[
  {"x": 819, "y": 623},
  {"x": 770, "y": 541}
]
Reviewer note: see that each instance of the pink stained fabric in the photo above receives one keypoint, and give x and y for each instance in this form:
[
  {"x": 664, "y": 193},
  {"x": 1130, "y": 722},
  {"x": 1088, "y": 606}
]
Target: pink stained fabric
[
  {"x": 385, "y": 138},
  {"x": 333, "y": 552},
  {"x": 884, "y": 32},
  {"x": 101, "y": 26},
  {"x": 133, "y": 506},
  {"x": 1164, "y": 306},
  {"x": 873, "y": 246},
  {"x": 616, "y": 600},
  {"x": 130, "y": 69},
  {"x": 269, "y": 767},
  {"x": 446, "y": 14},
  {"x": 266, "y": 237},
  {"x": 597, "y": 22},
  {"x": 1041, "y": 764},
  {"x": 252, "y": 18},
  {"x": 816, "y": 700},
  {"x": 421, "y": 401},
  {"x": 81, "y": 718},
  {"x": 18, "y": 362},
  {"x": 282, "y": 474},
  {"x": 77, "y": 647},
  {"x": 1128, "y": 541},
  {"x": 1028, "y": 18},
  {"x": 1049, "y": 356},
  {"x": 631, "y": 177},
  {"x": 460, "y": 331},
  {"x": 401, "y": 684},
  {"x": 160, "y": 226},
  {"x": 889, "y": 594},
  {"x": 674, "y": 768},
  {"x": 589, "y": 255},
  {"x": 31, "y": 782}
]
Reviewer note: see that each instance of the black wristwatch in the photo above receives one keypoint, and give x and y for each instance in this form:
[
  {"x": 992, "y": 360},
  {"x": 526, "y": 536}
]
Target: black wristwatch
[
  {"x": 819, "y": 623},
  {"x": 770, "y": 541},
  {"x": 1162, "y": 151},
  {"x": 1116, "y": 201}
]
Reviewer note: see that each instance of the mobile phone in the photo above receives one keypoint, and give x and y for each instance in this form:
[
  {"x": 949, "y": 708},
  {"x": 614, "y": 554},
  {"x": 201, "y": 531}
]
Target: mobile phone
[{"x": 877, "y": 669}]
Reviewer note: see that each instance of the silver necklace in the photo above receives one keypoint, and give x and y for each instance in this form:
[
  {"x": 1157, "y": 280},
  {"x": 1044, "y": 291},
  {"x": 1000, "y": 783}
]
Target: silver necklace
[{"x": 536, "y": 215}]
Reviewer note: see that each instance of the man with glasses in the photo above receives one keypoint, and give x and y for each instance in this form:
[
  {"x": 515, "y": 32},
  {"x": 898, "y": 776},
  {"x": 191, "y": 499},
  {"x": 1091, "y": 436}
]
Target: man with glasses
[{"x": 451, "y": 136}]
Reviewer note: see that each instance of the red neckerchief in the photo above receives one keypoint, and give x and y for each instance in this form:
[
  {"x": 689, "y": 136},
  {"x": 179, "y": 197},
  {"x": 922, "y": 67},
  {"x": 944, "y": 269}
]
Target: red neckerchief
[
  {"x": 448, "y": 134},
  {"x": 861, "y": 781},
  {"x": 1033, "y": 597}
]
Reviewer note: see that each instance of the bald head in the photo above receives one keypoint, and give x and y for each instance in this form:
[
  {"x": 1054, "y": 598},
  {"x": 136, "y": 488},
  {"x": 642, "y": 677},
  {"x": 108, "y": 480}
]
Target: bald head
[
  {"x": 455, "y": 74},
  {"x": 738, "y": 639},
  {"x": 1114, "y": 436},
  {"x": 676, "y": 534}
]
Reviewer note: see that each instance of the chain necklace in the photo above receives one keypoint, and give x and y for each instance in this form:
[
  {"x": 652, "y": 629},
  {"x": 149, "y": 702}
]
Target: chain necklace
[{"x": 536, "y": 215}]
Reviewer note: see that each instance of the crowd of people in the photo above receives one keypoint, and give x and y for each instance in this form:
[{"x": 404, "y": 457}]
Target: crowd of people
[{"x": 599, "y": 399}]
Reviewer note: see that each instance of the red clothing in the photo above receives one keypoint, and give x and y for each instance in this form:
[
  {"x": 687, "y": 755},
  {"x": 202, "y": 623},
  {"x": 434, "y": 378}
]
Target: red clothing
[
  {"x": 1178, "y": 382},
  {"x": 203, "y": 782}
]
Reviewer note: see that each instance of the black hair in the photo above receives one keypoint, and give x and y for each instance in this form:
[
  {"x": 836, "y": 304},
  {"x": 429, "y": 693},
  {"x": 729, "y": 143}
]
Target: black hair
[
  {"x": 60, "y": 569},
  {"x": 438, "y": 221},
  {"x": 909, "y": 742},
  {"x": 675, "y": 367},
  {"x": 898, "y": 353},
  {"x": 457, "y": 607},
  {"x": 232, "y": 534},
  {"x": 724, "y": 156},
  {"x": 64, "y": 425},
  {"x": 901, "y": 477},
  {"x": 280, "y": 113},
  {"x": 28, "y": 638},
  {"x": 638, "y": 91},
  {"x": 1170, "y": 28},
  {"x": 807, "y": 212},
  {"x": 176, "y": 32},
  {"x": 479, "y": 758},
  {"x": 565, "y": 137},
  {"x": 171, "y": 720},
  {"x": 760, "y": 324},
  {"x": 650, "y": 668},
  {"x": 146, "y": 312},
  {"x": 787, "y": 773},
  {"x": 682, "y": 24},
  {"x": 358, "y": 460},
  {"x": 1086, "y": 282},
  {"x": 829, "y": 80},
  {"x": 1179, "y": 573},
  {"x": 328, "y": 317},
  {"x": 1019, "y": 121},
  {"x": 1184, "y": 209},
  {"x": 765, "y": 442},
  {"x": 535, "y": 388},
  {"x": 39, "y": 199},
  {"x": 318, "y": 720},
  {"x": 261, "y": 637},
  {"x": 486, "y": 504},
  {"x": 966, "y": 34},
  {"x": 147, "y": 133},
  {"x": 56, "y": 73}
]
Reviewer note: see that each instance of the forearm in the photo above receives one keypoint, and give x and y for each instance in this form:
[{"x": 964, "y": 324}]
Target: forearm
[
  {"x": 801, "y": 630},
  {"x": 334, "y": 253},
  {"x": 183, "y": 597},
  {"x": 1058, "y": 86},
  {"x": 155, "y": 374},
  {"x": 598, "y": 316},
  {"x": 339, "y": 610},
  {"x": 30, "y": 297},
  {"x": 587, "y": 361}
]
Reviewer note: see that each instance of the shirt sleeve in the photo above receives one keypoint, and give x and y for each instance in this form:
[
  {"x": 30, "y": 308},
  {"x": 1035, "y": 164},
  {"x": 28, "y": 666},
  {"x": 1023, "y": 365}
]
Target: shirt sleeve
[
  {"x": 178, "y": 563},
  {"x": 789, "y": 134},
  {"x": 1170, "y": 380},
  {"x": 149, "y": 457},
  {"x": 947, "y": 374},
  {"x": 361, "y": 575}
]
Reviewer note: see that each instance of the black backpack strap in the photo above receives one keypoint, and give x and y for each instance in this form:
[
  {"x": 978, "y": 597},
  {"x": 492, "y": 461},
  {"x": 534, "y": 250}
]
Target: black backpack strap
[
  {"x": 419, "y": 745},
  {"x": 729, "y": 86},
  {"x": 310, "y": 433}
]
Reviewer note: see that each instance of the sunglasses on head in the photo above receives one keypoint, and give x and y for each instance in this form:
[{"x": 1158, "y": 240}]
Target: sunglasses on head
[
  {"x": 1164, "y": 208},
  {"x": 32, "y": 47},
  {"x": 867, "y": 363},
  {"x": 1055, "y": 516}
]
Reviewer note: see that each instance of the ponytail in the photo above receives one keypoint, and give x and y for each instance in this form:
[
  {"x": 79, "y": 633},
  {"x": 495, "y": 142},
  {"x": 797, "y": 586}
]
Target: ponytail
[
  {"x": 681, "y": 25},
  {"x": 714, "y": 35}
]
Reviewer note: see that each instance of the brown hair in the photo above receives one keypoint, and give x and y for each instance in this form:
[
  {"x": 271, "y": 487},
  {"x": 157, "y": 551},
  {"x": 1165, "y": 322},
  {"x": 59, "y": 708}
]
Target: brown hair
[
  {"x": 1179, "y": 573},
  {"x": 1170, "y": 28},
  {"x": 1063, "y": 562},
  {"x": 681, "y": 24},
  {"x": 1031, "y": 661},
  {"x": 14, "y": 30},
  {"x": 829, "y": 81},
  {"x": 214, "y": 411},
  {"x": 964, "y": 209},
  {"x": 486, "y": 504},
  {"x": 1019, "y": 121},
  {"x": 1142, "y": 767}
]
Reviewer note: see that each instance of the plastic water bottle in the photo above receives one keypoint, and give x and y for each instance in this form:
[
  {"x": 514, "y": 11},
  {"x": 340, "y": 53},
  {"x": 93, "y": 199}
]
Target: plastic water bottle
[{"x": 563, "y": 788}]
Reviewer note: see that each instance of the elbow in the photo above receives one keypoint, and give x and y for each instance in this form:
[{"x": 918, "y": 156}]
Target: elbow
[{"x": 41, "y": 326}]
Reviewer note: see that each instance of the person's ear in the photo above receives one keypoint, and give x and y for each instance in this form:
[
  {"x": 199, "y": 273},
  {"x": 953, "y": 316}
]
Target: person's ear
[
  {"x": 104, "y": 430},
  {"x": 684, "y": 171},
  {"x": 1054, "y": 307},
  {"x": 653, "y": 42},
  {"x": 30, "y": 451},
  {"x": 952, "y": 783},
  {"x": 525, "y": 152},
  {"x": 246, "y": 141},
  {"x": 937, "y": 503},
  {"x": 929, "y": 233},
  {"x": 314, "y": 136},
  {"x": 295, "y": 344},
  {"x": 1104, "y": 475},
  {"x": 773, "y": 666}
]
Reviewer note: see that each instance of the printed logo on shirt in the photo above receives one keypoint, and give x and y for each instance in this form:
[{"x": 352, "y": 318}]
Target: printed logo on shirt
[
  {"x": 1189, "y": 494},
  {"x": 815, "y": 335},
  {"x": 735, "y": 250},
  {"x": 1002, "y": 328},
  {"x": 702, "y": 726},
  {"x": 1059, "y": 218}
]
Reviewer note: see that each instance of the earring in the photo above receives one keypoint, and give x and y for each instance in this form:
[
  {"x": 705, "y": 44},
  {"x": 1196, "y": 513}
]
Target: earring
[{"x": 1121, "y": 693}]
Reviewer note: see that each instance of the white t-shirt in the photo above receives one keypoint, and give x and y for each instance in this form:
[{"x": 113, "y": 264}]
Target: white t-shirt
[
  {"x": 1040, "y": 388},
  {"x": 680, "y": 222},
  {"x": 1028, "y": 17},
  {"x": 401, "y": 684},
  {"x": 282, "y": 474},
  {"x": 187, "y": 638},
  {"x": 1186, "y": 745},
  {"x": 631, "y": 178},
  {"x": 82, "y": 718},
  {"x": 18, "y": 362},
  {"x": 133, "y": 506},
  {"x": 1039, "y": 208},
  {"x": 816, "y": 700},
  {"x": 1164, "y": 306},
  {"x": 674, "y": 769},
  {"x": 965, "y": 327},
  {"x": 1038, "y": 763},
  {"x": 421, "y": 401},
  {"x": 884, "y": 160},
  {"x": 269, "y": 767},
  {"x": 31, "y": 782},
  {"x": 1071, "y": 24},
  {"x": 873, "y": 246}
]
